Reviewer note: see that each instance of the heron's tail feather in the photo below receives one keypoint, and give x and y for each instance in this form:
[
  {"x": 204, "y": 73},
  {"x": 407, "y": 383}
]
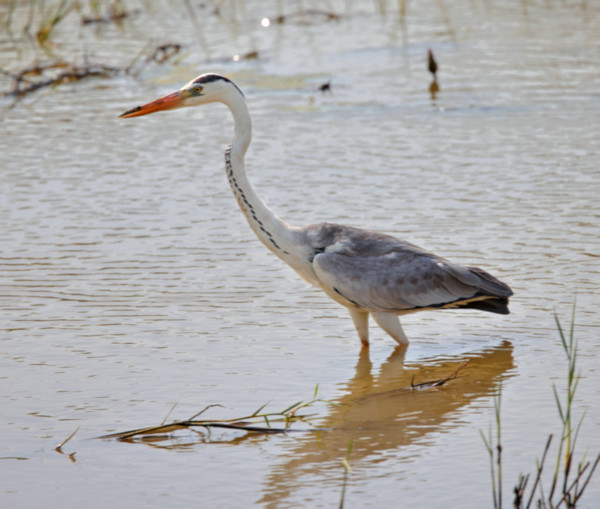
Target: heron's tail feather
[
  {"x": 497, "y": 305},
  {"x": 492, "y": 294},
  {"x": 489, "y": 285}
]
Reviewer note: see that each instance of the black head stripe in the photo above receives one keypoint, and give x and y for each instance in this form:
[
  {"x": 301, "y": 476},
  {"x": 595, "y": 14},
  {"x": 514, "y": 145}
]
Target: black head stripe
[{"x": 209, "y": 78}]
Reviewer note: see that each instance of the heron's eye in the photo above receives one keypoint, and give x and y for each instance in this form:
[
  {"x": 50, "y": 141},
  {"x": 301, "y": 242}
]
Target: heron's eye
[{"x": 197, "y": 90}]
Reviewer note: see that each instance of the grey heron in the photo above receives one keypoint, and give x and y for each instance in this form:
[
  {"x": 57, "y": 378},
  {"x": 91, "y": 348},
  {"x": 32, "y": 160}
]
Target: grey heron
[{"x": 370, "y": 273}]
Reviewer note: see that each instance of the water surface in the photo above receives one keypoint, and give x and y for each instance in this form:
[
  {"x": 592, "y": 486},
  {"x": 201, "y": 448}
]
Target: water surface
[{"x": 130, "y": 282}]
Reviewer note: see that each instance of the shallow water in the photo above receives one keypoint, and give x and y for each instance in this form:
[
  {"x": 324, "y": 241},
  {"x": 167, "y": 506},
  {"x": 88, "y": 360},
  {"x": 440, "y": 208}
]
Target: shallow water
[{"x": 130, "y": 282}]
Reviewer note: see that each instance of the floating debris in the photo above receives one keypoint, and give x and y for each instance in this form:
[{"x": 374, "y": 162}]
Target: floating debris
[
  {"x": 325, "y": 87},
  {"x": 304, "y": 17},
  {"x": 115, "y": 14},
  {"x": 59, "y": 447},
  {"x": 163, "y": 53},
  {"x": 49, "y": 74},
  {"x": 23, "y": 82},
  {"x": 111, "y": 17},
  {"x": 432, "y": 64},
  {"x": 251, "y": 55}
]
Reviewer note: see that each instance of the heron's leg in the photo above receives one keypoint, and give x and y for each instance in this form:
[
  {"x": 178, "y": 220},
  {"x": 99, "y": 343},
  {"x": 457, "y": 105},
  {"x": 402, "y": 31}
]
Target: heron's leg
[
  {"x": 361, "y": 322},
  {"x": 390, "y": 323}
]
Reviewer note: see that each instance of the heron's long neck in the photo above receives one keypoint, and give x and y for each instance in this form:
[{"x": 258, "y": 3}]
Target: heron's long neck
[{"x": 272, "y": 231}]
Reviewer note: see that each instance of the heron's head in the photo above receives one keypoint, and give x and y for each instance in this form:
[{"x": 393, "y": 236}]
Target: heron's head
[{"x": 204, "y": 89}]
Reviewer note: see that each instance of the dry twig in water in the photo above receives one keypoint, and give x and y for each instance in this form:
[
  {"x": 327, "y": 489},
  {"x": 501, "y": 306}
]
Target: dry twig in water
[
  {"x": 436, "y": 383},
  {"x": 59, "y": 447}
]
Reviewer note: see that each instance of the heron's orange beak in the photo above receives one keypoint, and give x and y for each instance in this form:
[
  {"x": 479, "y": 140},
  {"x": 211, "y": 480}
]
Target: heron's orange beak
[{"x": 168, "y": 102}]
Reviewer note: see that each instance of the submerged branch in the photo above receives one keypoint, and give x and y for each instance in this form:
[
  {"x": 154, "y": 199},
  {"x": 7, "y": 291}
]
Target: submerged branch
[
  {"x": 259, "y": 421},
  {"x": 248, "y": 423},
  {"x": 175, "y": 426}
]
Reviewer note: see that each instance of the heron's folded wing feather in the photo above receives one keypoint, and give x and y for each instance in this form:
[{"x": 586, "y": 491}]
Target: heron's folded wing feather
[{"x": 399, "y": 279}]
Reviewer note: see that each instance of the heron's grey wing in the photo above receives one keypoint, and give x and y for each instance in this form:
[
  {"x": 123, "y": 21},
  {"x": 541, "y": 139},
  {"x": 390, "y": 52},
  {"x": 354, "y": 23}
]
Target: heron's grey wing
[{"x": 402, "y": 279}]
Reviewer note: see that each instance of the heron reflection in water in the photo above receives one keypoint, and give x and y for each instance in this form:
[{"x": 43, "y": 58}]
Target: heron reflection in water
[
  {"x": 370, "y": 273},
  {"x": 385, "y": 419}
]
